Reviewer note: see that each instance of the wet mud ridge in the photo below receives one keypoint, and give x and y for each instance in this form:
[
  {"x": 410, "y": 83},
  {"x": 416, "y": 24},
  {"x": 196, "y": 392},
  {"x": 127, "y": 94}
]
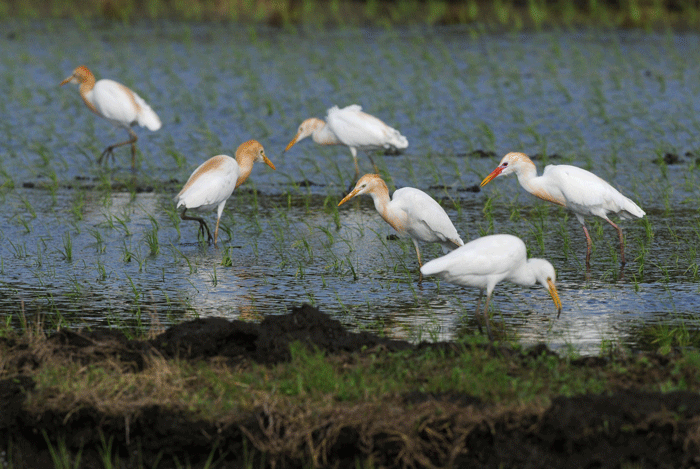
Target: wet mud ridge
[{"x": 629, "y": 428}]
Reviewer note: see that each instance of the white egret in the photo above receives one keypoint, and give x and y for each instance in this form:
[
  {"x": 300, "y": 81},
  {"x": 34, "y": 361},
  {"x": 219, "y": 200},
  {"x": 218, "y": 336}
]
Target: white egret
[
  {"x": 410, "y": 212},
  {"x": 116, "y": 103},
  {"x": 486, "y": 261},
  {"x": 353, "y": 128},
  {"x": 213, "y": 182},
  {"x": 579, "y": 190}
]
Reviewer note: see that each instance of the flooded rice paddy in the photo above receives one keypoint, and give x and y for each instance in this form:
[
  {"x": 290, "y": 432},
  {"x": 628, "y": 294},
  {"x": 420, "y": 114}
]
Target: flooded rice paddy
[{"x": 85, "y": 245}]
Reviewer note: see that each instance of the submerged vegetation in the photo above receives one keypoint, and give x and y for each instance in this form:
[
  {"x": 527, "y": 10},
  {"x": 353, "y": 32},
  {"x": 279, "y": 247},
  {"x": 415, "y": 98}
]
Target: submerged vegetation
[{"x": 516, "y": 14}]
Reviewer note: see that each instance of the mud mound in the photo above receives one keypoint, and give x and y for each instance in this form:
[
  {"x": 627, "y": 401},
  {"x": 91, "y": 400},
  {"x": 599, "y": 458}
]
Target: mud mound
[{"x": 267, "y": 342}]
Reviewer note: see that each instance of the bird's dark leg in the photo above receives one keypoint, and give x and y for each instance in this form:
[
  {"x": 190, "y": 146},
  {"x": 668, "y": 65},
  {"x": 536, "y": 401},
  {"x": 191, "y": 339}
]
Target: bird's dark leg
[
  {"x": 202, "y": 225},
  {"x": 622, "y": 242},
  {"x": 589, "y": 243},
  {"x": 376, "y": 169},
  {"x": 486, "y": 318},
  {"x": 476, "y": 312},
  {"x": 420, "y": 263},
  {"x": 110, "y": 149}
]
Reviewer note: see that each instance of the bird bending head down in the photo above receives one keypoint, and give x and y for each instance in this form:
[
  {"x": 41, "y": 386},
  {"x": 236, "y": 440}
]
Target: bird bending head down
[{"x": 484, "y": 262}]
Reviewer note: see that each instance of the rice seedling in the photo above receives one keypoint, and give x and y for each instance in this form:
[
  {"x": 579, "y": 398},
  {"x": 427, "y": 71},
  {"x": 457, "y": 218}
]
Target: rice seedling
[
  {"x": 60, "y": 455},
  {"x": 67, "y": 251}
]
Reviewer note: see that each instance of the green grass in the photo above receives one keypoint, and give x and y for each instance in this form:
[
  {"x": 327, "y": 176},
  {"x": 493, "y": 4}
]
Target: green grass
[
  {"x": 211, "y": 391},
  {"x": 508, "y": 14}
]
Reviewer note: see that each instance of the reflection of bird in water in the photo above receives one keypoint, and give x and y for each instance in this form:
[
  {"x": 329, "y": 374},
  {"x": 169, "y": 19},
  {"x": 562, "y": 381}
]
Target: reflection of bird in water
[
  {"x": 213, "y": 182},
  {"x": 116, "y": 103},
  {"x": 486, "y": 261},
  {"x": 353, "y": 128},
  {"x": 411, "y": 212},
  {"x": 579, "y": 190}
]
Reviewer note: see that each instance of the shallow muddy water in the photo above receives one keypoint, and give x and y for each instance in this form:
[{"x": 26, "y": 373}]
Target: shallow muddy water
[{"x": 88, "y": 245}]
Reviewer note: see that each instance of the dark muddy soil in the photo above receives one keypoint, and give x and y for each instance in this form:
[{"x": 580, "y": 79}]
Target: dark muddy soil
[{"x": 627, "y": 429}]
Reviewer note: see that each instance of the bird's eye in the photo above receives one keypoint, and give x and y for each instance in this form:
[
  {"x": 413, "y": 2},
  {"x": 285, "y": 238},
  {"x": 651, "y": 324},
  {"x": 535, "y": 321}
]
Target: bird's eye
[{"x": 505, "y": 164}]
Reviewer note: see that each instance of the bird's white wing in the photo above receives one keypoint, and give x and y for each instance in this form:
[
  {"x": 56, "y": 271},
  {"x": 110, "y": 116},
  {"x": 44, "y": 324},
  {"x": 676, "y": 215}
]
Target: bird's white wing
[
  {"x": 114, "y": 102},
  {"x": 426, "y": 219},
  {"x": 476, "y": 261},
  {"x": 120, "y": 105},
  {"x": 358, "y": 129},
  {"x": 587, "y": 193},
  {"x": 209, "y": 188}
]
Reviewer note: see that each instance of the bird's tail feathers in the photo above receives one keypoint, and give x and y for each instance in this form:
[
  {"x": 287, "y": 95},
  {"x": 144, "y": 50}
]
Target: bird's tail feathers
[
  {"x": 631, "y": 210},
  {"x": 146, "y": 116},
  {"x": 149, "y": 119},
  {"x": 398, "y": 141}
]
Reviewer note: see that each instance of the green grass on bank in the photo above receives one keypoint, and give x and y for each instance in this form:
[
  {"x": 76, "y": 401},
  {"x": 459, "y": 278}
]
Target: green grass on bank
[
  {"x": 512, "y": 14},
  {"x": 214, "y": 391},
  {"x": 374, "y": 392}
]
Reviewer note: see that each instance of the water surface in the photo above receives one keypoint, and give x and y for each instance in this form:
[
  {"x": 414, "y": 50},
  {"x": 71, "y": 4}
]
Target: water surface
[{"x": 89, "y": 245}]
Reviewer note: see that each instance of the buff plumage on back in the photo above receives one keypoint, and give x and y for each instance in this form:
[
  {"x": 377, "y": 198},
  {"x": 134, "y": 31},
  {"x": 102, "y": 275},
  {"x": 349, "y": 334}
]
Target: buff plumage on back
[{"x": 210, "y": 165}]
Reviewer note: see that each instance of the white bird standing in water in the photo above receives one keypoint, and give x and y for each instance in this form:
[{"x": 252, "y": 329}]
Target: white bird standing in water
[
  {"x": 353, "y": 128},
  {"x": 411, "y": 212},
  {"x": 579, "y": 190},
  {"x": 486, "y": 261},
  {"x": 213, "y": 182},
  {"x": 116, "y": 103}
]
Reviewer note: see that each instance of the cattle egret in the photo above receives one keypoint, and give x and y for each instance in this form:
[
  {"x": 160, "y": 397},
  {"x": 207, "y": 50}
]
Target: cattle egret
[
  {"x": 579, "y": 190},
  {"x": 116, "y": 103},
  {"x": 486, "y": 261},
  {"x": 213, "y": 182},
  {"x": 410, "y": 212},
  {"x": 353, "y": 128}
]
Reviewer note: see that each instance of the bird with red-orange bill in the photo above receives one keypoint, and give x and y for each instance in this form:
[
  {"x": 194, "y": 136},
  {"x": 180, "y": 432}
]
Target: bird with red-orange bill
[
  {"x": 411, "y": 212},
  {"x": 213, "y": 182},
  {"x": 574, "y": 188},
  {"x": 118, "y": 104}
]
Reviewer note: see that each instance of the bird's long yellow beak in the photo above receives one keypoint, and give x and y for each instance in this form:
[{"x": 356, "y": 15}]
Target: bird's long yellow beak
[
  {"x": 268, "y": 162},
  {"x": 291, "y": 144},
  {"x": 66, "y": 80},
  {"x": 349, "y": 196},
  {"x": 493, "y": 174},
  {"x": 555, "y": 296}
]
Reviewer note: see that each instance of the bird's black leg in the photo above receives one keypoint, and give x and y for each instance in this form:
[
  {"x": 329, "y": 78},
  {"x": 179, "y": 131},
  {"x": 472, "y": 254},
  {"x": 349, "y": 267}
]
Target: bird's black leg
[
  {"x": 486, "y": 318},
  {"x": 110, "y": 149},
  {"x": 202, "y": 225},
  {"x": 476, "y": 312},
  {"x": 589, "y": 244}
]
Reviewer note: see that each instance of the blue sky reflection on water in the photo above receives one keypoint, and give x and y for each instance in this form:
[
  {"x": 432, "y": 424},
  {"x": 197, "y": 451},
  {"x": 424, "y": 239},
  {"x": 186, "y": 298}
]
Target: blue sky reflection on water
[{"x": 611, "y": 102}]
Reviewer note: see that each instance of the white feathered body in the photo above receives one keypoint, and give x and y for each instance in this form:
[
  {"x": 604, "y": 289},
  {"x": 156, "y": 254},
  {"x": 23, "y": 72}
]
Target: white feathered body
[
  {"x": 210, "y": 185},
  {"x": 357, "y": 129},
  {"x": 481, "y": 263},
  {"x": 121, "y": 106},
  {"x": 417, "y": 215},
  {"x": 583, "y": 193}
]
